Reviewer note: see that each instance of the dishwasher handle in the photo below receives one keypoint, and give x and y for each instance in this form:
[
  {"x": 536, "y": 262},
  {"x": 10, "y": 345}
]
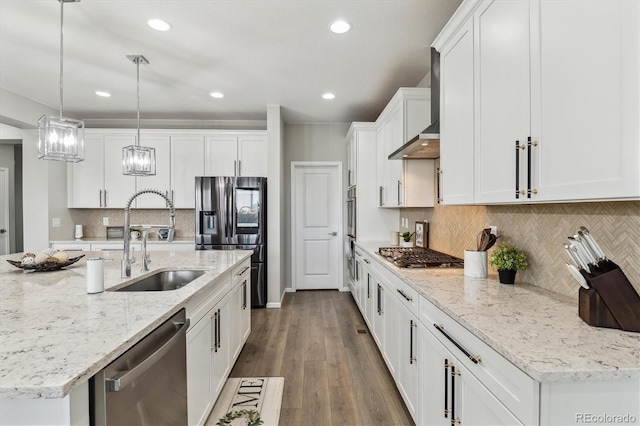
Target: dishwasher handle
[{"x": 124, "y": 378}]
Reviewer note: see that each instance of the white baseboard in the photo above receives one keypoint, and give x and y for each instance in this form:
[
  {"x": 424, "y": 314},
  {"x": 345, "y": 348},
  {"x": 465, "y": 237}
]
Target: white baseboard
[
  {"x": 277, "y": 305},
  {"x": 290, "y": 290},
  {"x": 345, "y": 289}
]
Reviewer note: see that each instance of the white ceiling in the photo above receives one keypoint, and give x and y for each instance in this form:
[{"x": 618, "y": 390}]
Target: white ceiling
[{"x": 256, "y": 52}]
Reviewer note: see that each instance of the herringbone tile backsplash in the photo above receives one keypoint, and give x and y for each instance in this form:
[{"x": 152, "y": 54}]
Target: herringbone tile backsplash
[{"x": 540, "y": 230}]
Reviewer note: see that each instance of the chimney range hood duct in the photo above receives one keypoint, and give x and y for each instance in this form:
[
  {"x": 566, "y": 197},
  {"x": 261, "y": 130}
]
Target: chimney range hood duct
[{"x": 427, "y": 143}]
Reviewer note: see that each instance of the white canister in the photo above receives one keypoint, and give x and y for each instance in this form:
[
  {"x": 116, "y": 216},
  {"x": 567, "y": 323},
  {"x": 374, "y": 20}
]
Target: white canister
[
  {"x": 78, "y": 233},
  {"x": 475, "y": 264},
  {"x": 393, "y": 238},
  {"x": 95, "y": 275}
]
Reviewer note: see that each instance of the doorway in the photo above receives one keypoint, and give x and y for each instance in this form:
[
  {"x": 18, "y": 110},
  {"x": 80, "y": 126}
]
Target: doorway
[
  {"x": 4, "y": 212},
  {"x": 316, "y": 225}
]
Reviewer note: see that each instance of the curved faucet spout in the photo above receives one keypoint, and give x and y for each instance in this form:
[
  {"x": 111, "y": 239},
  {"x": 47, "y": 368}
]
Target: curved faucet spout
[{"x": 126, "y": 260}]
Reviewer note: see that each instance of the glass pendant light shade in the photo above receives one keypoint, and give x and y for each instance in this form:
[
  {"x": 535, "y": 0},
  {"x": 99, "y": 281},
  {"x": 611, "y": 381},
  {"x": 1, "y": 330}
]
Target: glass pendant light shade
[
  {"x": 60, "y": 139},
  {"x": 138, "y": 160}
]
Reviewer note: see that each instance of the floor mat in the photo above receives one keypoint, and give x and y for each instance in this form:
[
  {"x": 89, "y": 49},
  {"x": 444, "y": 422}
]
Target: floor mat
[{"x": 245, "y": 399}]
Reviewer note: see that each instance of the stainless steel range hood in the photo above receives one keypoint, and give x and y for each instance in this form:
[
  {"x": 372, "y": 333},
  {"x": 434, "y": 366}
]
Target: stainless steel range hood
[{"x": 427, "y": 143}]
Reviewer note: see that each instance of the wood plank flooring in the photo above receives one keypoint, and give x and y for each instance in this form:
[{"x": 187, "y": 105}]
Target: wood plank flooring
[{"x": 333, "y": 375}]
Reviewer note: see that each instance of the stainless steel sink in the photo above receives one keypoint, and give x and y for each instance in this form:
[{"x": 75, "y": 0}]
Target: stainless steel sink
[{"x": 164, "y": 280}]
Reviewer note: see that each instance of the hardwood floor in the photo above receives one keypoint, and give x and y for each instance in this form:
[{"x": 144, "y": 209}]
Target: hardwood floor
[{"x": 333, "y": 374}]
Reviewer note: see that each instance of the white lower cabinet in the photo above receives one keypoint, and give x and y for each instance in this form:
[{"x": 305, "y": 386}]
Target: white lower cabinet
[
  {"x": 199, "y": 371},
  {"x": 451, "y": 394},
  {"x": 220, "y": 325},
  {"x": 408, "y": 359},
  {"x": 220, "y": 345}
]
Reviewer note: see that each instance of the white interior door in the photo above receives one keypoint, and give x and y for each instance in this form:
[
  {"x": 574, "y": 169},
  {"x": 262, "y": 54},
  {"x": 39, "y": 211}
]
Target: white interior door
[
  {"x": 4, "y": 210},
  {"x": 316, "y": 226}
]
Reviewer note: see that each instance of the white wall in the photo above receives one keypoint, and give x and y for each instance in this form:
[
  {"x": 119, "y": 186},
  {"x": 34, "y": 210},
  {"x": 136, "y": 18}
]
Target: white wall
[
  {"x": 275, "y": 206},
  {"x": 310, "y": 142},
  {"x": 36, "y": 194}
]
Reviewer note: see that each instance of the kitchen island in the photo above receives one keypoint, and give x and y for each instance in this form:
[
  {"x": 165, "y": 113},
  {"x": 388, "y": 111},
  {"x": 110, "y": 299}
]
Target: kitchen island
[
  {"x": 536, "y": 361},
  {"x": 54, "y": 336}
]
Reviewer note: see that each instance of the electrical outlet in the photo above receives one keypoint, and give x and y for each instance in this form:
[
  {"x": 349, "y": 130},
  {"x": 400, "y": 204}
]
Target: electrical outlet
[
  {"x": 494, "y": 230},
  {"x": 55, "y": 222},
  {"x": 105, "y": 221}
]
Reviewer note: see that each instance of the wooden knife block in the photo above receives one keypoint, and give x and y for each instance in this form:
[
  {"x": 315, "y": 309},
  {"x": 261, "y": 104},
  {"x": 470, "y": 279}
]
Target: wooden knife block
[{"x": 611, "y": 302}]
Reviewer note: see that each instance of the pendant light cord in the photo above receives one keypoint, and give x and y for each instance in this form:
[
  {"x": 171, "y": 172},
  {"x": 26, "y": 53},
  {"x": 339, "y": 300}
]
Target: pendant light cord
[
  {"x": 61, "y": 52},
  {"x": 138, "y": 95}
]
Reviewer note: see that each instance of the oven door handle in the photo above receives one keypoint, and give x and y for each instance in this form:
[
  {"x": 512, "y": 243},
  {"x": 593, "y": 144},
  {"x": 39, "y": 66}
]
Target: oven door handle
[{"x": 125, "y": 378}]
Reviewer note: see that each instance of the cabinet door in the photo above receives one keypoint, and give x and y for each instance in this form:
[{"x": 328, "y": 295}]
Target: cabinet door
[
  {"x": 418, "y": 183},
  {"x": 118, "y": 187},
  {"x": 408, "y": 360},
  {"x": 162, "y": 179},
  {"x": 394, "y": 136},
  {"x": 378, "y": 314},
  {"x": 245, "y": 313},
  {"x": 502, "y": 98},
  {"x": 199, "y": 345},
  {"x": 390, "y": 344},
  {"x": 456, "y": 118},
  {"x": 589, "y": 115},
  {"x": 451, "y": 394},
  {"x": 187, "y": 162},
  {"x": 252, "y": 155},
  {"x": 235, "y": 334},
  {"x": 352, "y": 159},
  {"x": 381, "y": 165},
  {"x": 221, "y": 155},
  {"x": 86, "y": 178},
  {"x": 220, "y": 346}
]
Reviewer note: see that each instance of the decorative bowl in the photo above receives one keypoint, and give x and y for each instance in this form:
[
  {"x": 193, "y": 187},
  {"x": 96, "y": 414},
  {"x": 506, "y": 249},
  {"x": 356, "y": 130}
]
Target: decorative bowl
[{"x": 45, "y": 266}]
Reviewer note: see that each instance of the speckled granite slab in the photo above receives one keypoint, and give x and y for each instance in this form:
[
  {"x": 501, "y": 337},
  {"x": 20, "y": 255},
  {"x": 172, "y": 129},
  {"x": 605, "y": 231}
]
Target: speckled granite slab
[
  {"x": 54, "y": 336},
  {"x": 537, "y": 330}
]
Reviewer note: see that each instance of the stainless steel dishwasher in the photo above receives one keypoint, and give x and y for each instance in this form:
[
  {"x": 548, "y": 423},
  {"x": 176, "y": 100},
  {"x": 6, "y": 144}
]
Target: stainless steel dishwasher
[{"x": 147, "y": 385}]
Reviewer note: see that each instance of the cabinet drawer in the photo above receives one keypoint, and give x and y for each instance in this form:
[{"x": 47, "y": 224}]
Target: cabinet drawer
[
  {"x": 240, "y": 272},
  {"x": 408, "y": 296},
  {"x": 71, "y": 246},
  {"x": 200, "y": 305},
  {"x": 517, "y": 391}
]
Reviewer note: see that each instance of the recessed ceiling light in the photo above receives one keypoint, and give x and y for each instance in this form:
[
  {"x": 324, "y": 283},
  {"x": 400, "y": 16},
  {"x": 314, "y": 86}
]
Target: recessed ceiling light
[
  {"x": 217, "y": 95},
  {"x": 405, "y": 156},
  {"x": 340, "y": 27},
  {"x": 103, "y": 94},
  {"x": 328, "y": 96},
  {"x": 159, "y": 24}
]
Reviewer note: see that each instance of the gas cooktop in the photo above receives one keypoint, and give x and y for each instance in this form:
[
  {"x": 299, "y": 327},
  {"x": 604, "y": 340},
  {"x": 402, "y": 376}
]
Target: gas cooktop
[{"x": 418, "y": 257}]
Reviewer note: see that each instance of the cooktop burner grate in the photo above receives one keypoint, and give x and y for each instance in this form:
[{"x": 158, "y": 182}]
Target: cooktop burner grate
[{"x": 418, "y": 257}]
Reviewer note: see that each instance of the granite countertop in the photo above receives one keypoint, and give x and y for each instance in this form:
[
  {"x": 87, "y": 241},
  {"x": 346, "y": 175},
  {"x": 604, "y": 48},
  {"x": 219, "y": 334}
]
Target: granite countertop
[
  {"x": 54, "y": 336},
  {"x": 537, "y": 330}
]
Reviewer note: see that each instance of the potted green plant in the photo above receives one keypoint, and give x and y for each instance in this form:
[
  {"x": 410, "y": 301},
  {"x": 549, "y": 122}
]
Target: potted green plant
[
  {"x": 507, "y": 259},
  {"x": 406, "y": 239}
]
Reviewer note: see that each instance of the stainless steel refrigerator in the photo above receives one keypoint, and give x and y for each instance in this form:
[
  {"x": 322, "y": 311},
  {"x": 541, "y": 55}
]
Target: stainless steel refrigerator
[{"x": 231, "y": 213}]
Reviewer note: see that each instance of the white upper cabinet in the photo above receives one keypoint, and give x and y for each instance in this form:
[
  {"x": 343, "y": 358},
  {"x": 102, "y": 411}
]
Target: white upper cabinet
[
  {"x": 502, "y": 111},
  {"x": 550, "y": 123},
  {"x": 406, "y": 114},
  {"x": 233, "y": 154},
  {"x": 187, "y": 162},
  {"x": 588, "y": 57},
  {"x": 456, "y": 118},
  {"x": 161, "y": 181},
  {"x": 98, "y": 180}
]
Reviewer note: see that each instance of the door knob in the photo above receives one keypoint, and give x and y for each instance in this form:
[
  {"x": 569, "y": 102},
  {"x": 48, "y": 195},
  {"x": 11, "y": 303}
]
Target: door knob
[
  {"x": 334, "y": 233},
  {"x": 2, "y": 231}
]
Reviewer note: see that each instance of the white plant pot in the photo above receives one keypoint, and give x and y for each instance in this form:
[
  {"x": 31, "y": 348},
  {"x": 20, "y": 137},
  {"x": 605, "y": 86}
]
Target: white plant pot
[{"x": 404, "y": 243}]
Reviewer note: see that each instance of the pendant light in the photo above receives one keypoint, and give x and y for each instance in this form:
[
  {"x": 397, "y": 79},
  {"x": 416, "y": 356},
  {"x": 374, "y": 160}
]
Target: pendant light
[
  {"x": 60, "y": 138},
  {"x": 138, "y": 160}
]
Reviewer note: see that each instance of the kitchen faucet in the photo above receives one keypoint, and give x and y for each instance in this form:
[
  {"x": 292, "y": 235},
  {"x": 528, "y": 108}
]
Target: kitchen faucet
[{"x": 126, "y": 260}]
